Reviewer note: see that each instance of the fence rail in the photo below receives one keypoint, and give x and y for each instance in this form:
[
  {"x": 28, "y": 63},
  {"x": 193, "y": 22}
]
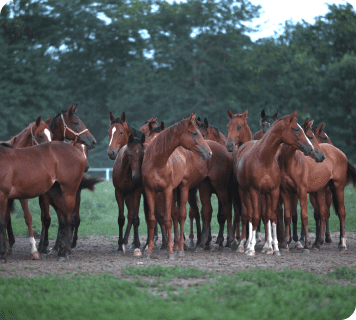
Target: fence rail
[{"x": 107, "y": 171}]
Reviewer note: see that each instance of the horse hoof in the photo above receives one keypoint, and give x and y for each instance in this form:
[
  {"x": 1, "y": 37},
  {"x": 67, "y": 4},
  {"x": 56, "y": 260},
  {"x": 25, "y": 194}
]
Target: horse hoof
[
  {"x": 199, "y": 249},
  {"x": 328, "y": 240},
  {"x": 35, "y": 256},
  {"x": 284, "y": 249},
  {"x": 171, "y": 256},
  {"x": 250, "y": 253},
  {"x": 269, "y": 251},
  {"x": 3, "y": 260},
  {"x": 132, "y": 246},
  {"x": 62, "y": 259},
  {"x": 191, "y": 245},
  {"x": 181, "y": 253},
  {"x": 137, "y": 253},
  {"x": 306, "y": 250},
  {"x": 277, "y": 253},
  {"x": 240, "y": 249},
  {"x": 234, "y": 245},
  {"x": 342, "y": 248},
  {"x": 299, "y": 245},
  {"x": 315, "y": 249}
]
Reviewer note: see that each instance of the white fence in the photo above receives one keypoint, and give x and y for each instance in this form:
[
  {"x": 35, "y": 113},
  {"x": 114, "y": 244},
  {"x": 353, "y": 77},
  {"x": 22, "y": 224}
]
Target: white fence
[{"x": 107, "y": 171}]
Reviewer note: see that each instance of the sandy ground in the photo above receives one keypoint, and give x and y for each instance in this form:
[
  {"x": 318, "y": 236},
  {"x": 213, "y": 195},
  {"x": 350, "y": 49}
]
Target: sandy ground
[{"x": 96, "y": 254}]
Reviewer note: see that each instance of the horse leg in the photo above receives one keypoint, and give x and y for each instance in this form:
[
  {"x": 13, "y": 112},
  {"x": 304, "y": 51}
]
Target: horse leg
[
  {"x": 136, "y": 219},
  {"x": 28, "y": 220},
  {"x": 3, "y": 225},
  {"x": 168, "y": 196},
  {"x": 44, "y": 202},
  {"x": 11, "y": 238},
  {"x": 236, "y": 201},
  {"x": 221, "y": 220},
  {"x": 295, "y": 228},
  {"x": 313, "y": 201},
  {"x": 304, "y": 212},
  {"x": 120, "y": 220},
  {"x": 275, "y": 196},
  {"x": 129, "y": 201},
  {"x": 155, "y": 234},
  {"x": 254, "y": 195},
  {"x": 287, "y": 199},
  {"x": 76, "y": 218},
  {"x": 267, "y": 247},
  {"x": 328, "y": 204},
  {"x": 225, "y": 203},
  {"x": 193, "y": 214},
  {"x": 175, "y": 219},
  {"x": 320, "y": 200},
  {"x": 338, "y": 193},
  {"x": 246, "y": 216}
]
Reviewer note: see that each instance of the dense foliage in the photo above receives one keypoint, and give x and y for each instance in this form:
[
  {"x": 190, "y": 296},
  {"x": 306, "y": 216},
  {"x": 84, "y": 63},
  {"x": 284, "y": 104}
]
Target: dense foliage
[{"x": 154, "y": 58}]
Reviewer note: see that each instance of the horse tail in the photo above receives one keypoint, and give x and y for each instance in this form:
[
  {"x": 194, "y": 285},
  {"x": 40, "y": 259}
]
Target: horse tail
[
  {"x": 334, "y": 197},
  {"x": 89, "y": 182},
  {"x": 351, "y": 174},
  {"x": 11, "y": 205}
]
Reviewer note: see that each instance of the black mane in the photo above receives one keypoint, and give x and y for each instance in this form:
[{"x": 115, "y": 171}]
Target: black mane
[
  {"x": 5, "y": 144},
  {"x": 52, "y": 124}
]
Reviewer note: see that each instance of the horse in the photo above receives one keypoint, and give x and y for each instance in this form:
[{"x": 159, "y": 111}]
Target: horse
[
  {"x": 257, "y": 173},
  {"x": 126, "y": 179},
  {"x": 53, "y": 167},
  {"x": 335, "y": 173},
  {"x": 119, "y": 133},
  {"x": 64, "y": 125},
  {"x": 35, "y": 133},
  {"x": 147, "y": 127},
  {"x": 297, "y": 171},
  {"x": 321, "y": 137},
  {"x": 265, "y": 122},
  {"x": 165, "y": 167}
]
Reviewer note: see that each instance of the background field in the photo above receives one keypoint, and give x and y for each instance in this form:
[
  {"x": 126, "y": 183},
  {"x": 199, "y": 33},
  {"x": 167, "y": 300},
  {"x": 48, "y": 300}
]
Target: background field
[{"x": 99, "y": 213}]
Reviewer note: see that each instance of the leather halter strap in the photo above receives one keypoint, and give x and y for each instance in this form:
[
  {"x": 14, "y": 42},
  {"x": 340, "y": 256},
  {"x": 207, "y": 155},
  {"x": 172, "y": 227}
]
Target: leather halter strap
[
  {"x": 67, "y": 128},
  {"x": 33, "y": 138}
]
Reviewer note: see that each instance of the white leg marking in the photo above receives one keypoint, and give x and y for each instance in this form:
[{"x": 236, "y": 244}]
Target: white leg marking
[
  {"x": 269, "y": 240},
  {"x": 249, "y": 240},
  {"x": 48, "y": 134},
  {"x": 33, "y": 245},
  {"x": 112, "y": 134},
  {"x": 343, "y": 242},
  {"x": 275, "y": 241}
]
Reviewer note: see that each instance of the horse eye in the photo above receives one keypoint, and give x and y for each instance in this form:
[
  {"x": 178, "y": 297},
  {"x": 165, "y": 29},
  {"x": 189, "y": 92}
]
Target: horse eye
[
  {"x": 121, "y": 132},
  {"x": 75, "y": 123},
  {"x": 195, "y": 133},
  {"x": 295, "y": 129}
]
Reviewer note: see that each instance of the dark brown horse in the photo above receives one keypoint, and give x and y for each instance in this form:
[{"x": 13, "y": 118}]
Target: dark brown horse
[
  {"x": 265, "y": 122},
  {"x": 257, "y": 172},
  {"x": 165, "y": 167},
  {"x": 35, "y": 134},
  {"x": 56, "y": 168}
]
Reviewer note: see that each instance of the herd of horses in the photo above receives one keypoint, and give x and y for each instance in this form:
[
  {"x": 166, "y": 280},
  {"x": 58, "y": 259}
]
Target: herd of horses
[{"x": 252, "y": 174}]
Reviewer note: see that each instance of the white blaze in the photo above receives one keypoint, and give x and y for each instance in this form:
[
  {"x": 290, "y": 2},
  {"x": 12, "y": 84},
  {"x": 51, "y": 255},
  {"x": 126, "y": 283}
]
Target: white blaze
[
  {"x": 305, "y": 136},
  {"x": 48, "y": 134},
  {"x": 112, "y": 134}
]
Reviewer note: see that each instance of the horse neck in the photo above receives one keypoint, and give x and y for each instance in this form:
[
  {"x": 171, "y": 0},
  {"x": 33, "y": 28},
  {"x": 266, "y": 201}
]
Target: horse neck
[
  {"x": 245, "y": 135},
  {"x": 162, "y": 147},
  {"x": 269, "y": 145},
  {"x": 58, "y": 131},
  {"x": 22, "y": 140},
  {"x": 222, "y": 139}
]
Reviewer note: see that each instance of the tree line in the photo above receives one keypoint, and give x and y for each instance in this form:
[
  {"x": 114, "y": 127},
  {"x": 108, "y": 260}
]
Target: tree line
[{"x": 154, "y": 58}]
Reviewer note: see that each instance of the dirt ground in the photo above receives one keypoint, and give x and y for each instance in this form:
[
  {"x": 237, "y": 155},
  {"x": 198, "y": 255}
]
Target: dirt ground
[{"x": 96, "y": 254}]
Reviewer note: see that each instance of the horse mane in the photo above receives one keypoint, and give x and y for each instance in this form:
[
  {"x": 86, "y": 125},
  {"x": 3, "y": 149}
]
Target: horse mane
[
  {"x": 155, "y": 130},
  {"x": 161, "y": 143},
  {"x": 7, "y": 145},
  {"x": 52, "y": 124}
]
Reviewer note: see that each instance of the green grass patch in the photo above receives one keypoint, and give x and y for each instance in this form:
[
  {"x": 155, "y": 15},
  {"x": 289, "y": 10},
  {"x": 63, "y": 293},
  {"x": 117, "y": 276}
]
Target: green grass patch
[
  {"x": 250, "y": 294},
  {"x": 99, "y": 213}
]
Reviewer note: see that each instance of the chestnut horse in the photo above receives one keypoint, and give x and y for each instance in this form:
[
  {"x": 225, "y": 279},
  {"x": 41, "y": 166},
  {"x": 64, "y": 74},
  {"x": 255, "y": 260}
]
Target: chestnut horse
[
  {"x": 147, "y": 127},
  {"x": 56, "y": 168},
  {"x": 36, "y": 133},
  {"x": 165, "y": 167},
  {"x": 257, "y": 172}
]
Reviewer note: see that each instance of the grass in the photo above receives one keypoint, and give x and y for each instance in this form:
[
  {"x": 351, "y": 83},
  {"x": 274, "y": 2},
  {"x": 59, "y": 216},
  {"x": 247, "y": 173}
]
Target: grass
[
  {"x": 250, "y": 294},
  {"x": 99, "y": 213}
]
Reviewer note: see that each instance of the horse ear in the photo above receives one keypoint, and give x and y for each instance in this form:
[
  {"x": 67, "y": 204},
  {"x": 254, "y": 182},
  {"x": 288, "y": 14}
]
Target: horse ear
[
  {"x": 131, "y": 137},
  {"x": 162, "y": 126},
  {"x": 293, "y": 115},
  {"x": 150, "y": 126},
  {"x": 305, "y": 124},
  {"x": 143, "y": 138},
  {"x": 38, "y": 121},
  {"x": 245, "y": 114},
  {"x": 74, "y": 108},
  {"x": 206, "y": 122},
  {"x": 192, "y": 118},
  {"x": 320, "y": 127},
  {"x": 123, "y": 117},
  {"x": 263, "y": 113},
  {"x": 274, "y": 117},
  {"x": 48, "y": 121},
  {"x": 111, "y": 116},
  {"x": 310, "y": 123},
  {"x": 229, "y": 113}
]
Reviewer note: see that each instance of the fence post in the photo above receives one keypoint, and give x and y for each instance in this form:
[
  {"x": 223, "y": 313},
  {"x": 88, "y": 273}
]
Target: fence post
[{"x": 107, "y": 174}]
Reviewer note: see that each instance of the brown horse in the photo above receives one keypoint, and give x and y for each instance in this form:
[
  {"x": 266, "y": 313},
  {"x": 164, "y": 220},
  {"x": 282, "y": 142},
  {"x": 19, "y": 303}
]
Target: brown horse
[
  {"x": 119, "y": 133},
  {"x": 65, "y": 125},
  {"x": 321, "y": 137},
  {"x": 165, "y": 167},
  {"x": 128, "y": 185},
  {"x": 295, "y": 172},
  {"x": 54, "y": 167},
  {"x": 36, "y": 133},
  {"x": 257, "y": 172},
  {"x": 147, "y": 127}
]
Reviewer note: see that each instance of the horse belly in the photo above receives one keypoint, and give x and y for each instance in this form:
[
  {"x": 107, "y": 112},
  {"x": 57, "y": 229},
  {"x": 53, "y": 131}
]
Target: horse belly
[{"x": 318, "y": 178}]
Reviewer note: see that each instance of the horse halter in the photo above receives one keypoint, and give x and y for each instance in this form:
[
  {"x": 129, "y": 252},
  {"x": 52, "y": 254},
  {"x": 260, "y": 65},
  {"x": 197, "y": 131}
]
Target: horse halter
[
  {"x": 33, "y": 138},
  {"x": 67, "y": 128}
]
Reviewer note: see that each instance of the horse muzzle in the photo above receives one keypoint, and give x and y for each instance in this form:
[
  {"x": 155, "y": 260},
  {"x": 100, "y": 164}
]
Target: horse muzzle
[
  {"x": 112, "y": 154},
  {"x": 230, "y": 146}
]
